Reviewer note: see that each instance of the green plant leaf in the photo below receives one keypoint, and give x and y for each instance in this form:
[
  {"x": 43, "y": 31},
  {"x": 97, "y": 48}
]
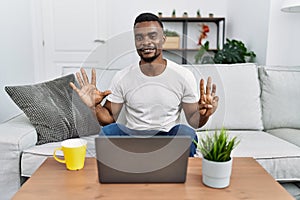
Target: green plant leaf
[{"x": 217, "y": 146}]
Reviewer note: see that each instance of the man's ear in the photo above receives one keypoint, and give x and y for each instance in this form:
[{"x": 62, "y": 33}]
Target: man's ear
[{"x": 164, "y": 39}]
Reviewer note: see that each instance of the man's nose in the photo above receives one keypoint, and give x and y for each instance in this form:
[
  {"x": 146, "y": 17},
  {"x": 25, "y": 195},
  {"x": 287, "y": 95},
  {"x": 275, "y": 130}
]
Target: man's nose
[{"x": 147, "y": 40}]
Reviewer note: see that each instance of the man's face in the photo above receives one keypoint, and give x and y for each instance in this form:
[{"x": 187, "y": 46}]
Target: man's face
[{"x": 149, "y": 39}]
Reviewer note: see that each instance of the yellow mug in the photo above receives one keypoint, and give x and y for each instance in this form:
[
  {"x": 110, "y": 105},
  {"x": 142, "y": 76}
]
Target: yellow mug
[{"x": 74, "y": 151}]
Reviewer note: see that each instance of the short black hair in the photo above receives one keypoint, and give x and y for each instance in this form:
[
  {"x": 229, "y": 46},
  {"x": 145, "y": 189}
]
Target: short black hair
[{"x": 147, "y": 17}]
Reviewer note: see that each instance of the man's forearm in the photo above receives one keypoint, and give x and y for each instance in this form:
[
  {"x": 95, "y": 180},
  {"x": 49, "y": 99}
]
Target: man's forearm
[
  {"x": 103, "y": 115},
  {"x": 197, "y": 121}
]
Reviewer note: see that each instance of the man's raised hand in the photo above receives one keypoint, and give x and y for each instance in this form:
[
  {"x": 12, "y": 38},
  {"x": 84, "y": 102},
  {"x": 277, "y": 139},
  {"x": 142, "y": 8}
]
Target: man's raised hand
[
  {"x": 208, "y": 101},
  {"x": 88, "y": 92}
]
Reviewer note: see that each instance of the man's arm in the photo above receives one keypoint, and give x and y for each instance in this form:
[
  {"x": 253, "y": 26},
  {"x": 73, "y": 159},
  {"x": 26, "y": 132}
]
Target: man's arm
[
  {"x": 197, "y": 114},
  {"x": 92, "y": 97},
  {"x": 193, "y": 116},
  {"x": 108, "y": 113}
]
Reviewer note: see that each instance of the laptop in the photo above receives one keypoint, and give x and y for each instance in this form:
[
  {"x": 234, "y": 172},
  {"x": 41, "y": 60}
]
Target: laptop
[{"x": 131, "y": 159}]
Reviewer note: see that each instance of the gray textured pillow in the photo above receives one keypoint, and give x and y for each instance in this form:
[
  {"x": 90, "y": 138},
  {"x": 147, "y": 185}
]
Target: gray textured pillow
[{"x": 56, "y": 112}]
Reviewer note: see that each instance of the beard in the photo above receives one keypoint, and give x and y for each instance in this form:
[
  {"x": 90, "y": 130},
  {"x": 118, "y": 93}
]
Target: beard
[{"x": 148, "y": 59}]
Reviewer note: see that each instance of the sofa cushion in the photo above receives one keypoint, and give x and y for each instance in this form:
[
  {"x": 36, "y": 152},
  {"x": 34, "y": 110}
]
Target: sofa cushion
[
  {"x": 289, "y": 134},
  {"x": 280, "y": 97},
  {"x": 56, "y": 112},
  {"x": 239, "y": 95}
]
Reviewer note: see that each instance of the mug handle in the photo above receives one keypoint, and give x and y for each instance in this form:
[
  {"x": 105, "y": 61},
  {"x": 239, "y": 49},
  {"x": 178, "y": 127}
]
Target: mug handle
[{"x": 56, "y": 158}]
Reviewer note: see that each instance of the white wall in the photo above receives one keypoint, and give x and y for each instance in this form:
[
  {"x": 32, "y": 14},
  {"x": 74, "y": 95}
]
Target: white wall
[
  {"x": 122, "y": 13},
  {"x": 283, "y": 39},
  {"x": 248, "y": 21},
  {"x": 16, "y": 52}
]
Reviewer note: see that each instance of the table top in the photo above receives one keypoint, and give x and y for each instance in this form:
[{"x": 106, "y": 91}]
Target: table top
[{"x": 53, "y": 181}]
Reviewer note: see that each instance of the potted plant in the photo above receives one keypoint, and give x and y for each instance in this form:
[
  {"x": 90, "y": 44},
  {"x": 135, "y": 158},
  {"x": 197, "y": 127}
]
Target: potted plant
[
  {"x": 172, "y": 40},
  {"x": 185, "y": 14},
  {"x": 198, "y": 13},
  {"x": 233, "y": 51},
  {"x": 217, "y": 161},
  {"x": 174, "y": 13}
]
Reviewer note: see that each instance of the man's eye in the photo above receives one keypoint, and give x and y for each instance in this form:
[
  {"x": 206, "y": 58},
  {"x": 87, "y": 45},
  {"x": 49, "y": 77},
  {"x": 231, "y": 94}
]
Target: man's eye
[
  {"x": 138, "y": 38},
  {"x": 153, "y": 36}
]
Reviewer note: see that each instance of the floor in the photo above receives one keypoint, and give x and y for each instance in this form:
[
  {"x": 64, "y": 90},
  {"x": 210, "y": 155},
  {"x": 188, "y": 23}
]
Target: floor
[{"x": 293, "y": 188}]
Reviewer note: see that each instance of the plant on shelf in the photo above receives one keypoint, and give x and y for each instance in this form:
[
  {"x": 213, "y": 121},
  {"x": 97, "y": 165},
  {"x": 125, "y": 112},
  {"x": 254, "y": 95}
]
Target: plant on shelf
[
  {"x": 234, "y": 51},
  {"x": 198, "y": 13},
  {"x": 174, "y": 13},
  {"x": 202, "y": 54},
  {"x": 217, "y": 161},
  {"x": 169, "y": 33}
]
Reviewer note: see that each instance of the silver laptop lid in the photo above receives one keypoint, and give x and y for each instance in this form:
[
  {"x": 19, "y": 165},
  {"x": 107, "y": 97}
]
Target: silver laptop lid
[{"x": 129, "y": 159}]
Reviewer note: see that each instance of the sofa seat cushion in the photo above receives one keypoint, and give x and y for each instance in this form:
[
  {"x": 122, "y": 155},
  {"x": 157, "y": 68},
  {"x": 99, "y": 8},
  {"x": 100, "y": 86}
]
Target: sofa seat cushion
[
  {"x": 289, "y": 134},
  {"x": 278, "y": 157},
  {"x": 33, "y": 157}
]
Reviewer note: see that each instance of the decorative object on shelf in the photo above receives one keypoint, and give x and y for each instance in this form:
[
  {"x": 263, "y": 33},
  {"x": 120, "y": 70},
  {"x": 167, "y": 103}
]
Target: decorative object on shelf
[
  {"x": 211, "y": 15},
  {"x": 217, "y": 161},
  {"x": 159, "y": 14},
  {"x": 203, "y": 33},
  {"x": 234, "y": 51},
  {"x": 185, "y": 14},
  {"x": 292, "y": 6},
  {"x": 172, "y": 40},
  {"x": 202, "y": 56},
  {"x": 198, "y": 13},
  {"x": 174, "y": 13}
]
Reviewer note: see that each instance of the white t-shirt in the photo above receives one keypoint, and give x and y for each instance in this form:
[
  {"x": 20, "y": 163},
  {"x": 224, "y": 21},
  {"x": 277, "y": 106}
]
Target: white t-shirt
[{"x": 153, "y": 102}]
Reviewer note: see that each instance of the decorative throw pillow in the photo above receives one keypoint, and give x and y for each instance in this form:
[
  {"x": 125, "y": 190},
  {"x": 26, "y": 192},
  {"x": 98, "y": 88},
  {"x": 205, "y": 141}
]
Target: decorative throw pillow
[
  {"x": 238, "y": 89},
  {"x": 56, "y": 112},
  {"x": 280, "y": 96}
]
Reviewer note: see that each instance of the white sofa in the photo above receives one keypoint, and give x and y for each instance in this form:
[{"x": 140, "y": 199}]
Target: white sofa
[{"x": 258, "y": 104}]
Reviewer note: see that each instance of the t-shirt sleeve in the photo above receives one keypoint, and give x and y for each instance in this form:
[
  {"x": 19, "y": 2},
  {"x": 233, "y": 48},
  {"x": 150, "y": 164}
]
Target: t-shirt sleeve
[
  {"x": 190, "y": 90},
  {"x": 116, "y": 88}
]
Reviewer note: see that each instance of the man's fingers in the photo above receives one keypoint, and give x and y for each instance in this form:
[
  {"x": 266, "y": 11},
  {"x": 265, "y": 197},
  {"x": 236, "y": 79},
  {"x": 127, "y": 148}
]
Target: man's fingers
[
  {"x": 106, "y": 92},
  {"x": 215, "y": 100},
  {"x": 202, "y": 92},
  {"x": 72, "y": 85},
  {"x": 214, "y": 89},
  {"x": 93, "y": 81},
  {"x": 79, "y": 79},
  {"x": 202, "y": 87},
  {"x": 208, "y": 85},
  {"x": 84, "y": 76}
]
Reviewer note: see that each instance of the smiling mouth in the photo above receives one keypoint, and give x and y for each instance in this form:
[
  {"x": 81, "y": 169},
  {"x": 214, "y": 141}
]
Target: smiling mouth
[{"x": 147, "y": 49}]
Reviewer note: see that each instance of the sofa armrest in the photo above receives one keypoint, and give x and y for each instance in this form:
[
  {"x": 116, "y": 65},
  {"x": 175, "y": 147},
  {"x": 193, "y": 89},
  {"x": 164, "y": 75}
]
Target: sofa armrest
[{"x": 16, "y": 135}]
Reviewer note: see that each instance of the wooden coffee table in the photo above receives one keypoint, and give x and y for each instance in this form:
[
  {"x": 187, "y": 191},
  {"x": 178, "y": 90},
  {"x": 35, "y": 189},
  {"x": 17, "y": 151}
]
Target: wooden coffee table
[{"x": 53, "y": 181}]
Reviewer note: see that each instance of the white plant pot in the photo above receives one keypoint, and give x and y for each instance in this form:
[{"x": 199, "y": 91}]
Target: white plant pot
[{"x": 216, "y": 174}]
